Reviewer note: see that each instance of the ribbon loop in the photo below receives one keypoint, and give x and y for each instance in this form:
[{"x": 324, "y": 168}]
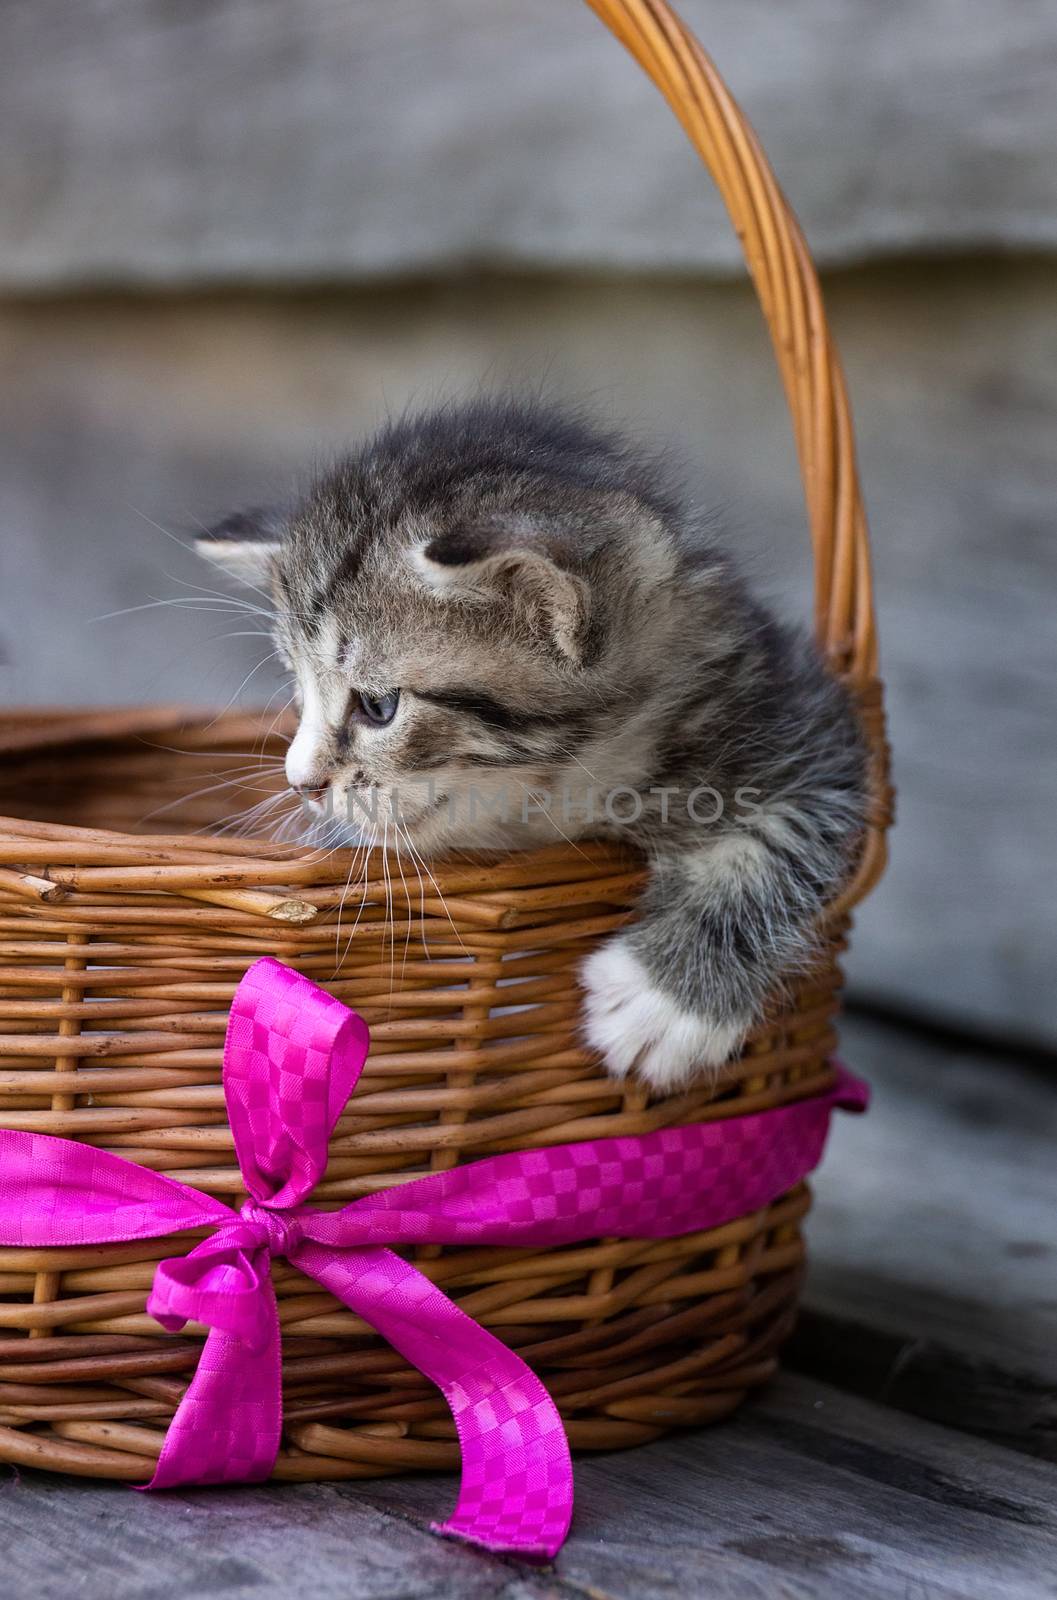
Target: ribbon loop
[
  {"x": 219, "y": 1283},
  {"x": 292, "y": 1056}
]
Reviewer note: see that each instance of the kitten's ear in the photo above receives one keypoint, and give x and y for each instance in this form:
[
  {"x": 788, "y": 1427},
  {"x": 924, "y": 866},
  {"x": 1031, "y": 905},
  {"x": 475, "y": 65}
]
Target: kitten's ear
[
  {"x": 244, "y": 544},
  {"x": 509, "y": 558}
]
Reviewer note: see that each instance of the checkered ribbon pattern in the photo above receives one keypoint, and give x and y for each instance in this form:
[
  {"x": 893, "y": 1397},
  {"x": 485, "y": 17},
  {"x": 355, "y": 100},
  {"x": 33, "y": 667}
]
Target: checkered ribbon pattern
[{"x": 292, "y": 1057}]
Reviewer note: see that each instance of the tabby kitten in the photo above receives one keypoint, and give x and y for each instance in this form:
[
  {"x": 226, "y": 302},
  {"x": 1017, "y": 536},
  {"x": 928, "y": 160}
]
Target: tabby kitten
[{"x": 507, "y": 628}]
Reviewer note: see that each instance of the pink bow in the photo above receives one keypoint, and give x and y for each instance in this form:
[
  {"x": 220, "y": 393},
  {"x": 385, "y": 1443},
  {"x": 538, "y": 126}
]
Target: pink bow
[{"x": 292, "y": 1057}]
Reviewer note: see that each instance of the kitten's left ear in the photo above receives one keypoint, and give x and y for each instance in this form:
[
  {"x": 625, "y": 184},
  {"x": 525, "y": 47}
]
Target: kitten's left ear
[
  {"x": 508, "y": 558},
  {"x": 244, "y": 544}
]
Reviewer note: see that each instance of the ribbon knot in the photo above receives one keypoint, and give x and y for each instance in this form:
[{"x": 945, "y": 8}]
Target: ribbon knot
[
  {"x": 279, "y": 1231},
  {"x": 292, "y": 1057}
]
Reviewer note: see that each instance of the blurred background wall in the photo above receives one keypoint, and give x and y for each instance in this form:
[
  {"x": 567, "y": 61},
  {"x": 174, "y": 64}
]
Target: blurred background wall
[{"x": 238, "y": 232}]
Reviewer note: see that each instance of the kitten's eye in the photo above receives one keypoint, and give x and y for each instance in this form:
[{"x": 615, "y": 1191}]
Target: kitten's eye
[{"x": 380, "y": 708}]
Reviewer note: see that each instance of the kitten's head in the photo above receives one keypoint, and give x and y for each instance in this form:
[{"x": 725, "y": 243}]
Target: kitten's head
[{"x": 468, "y": 604}]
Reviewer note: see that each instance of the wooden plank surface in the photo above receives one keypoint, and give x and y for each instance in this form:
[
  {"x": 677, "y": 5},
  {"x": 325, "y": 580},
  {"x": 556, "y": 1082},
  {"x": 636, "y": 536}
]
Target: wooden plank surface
[
  {"x": 809, "y": 1494},
  {"x": 933, "y": 1241}
]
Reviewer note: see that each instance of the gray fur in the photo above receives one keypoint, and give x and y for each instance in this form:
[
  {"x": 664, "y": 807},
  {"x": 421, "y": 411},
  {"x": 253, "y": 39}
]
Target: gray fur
[{"x": 557, "y": 619}]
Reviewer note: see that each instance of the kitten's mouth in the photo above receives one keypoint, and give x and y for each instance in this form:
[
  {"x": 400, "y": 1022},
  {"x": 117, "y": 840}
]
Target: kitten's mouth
[
  {"x": 357, "y": 803},
  {"x": 313, "y": 802}
]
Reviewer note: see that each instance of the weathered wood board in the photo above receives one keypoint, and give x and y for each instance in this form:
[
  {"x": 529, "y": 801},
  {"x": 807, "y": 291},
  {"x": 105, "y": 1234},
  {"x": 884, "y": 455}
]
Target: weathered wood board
[
  {"x": 810, "y": 1494},
  {"x": 933, "y": 1279},
  {"x": 255, "y": 141}
]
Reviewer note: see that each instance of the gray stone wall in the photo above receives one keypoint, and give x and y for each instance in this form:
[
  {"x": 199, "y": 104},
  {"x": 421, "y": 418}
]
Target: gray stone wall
[{"x": 319, "y": 182}]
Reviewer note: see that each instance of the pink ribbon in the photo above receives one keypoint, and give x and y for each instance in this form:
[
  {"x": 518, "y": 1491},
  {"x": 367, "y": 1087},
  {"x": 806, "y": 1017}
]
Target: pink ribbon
[{"x": 292, "y": 1057}]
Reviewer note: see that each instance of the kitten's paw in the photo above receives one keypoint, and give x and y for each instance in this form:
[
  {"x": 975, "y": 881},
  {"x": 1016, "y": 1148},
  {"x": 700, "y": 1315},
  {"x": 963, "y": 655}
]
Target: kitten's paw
[{"x": 638, "y": 1028}]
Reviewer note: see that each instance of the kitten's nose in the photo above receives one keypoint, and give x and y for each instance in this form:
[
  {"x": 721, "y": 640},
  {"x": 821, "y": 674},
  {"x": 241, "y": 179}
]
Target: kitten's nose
[{"x": 307, "y": 768}]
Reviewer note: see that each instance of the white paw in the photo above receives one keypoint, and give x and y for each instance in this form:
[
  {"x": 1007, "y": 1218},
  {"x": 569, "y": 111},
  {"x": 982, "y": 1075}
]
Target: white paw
[{"x": 637, "y": 1027}]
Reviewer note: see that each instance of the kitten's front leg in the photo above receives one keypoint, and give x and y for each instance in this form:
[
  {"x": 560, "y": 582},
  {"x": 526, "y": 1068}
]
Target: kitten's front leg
[{"x": 673, "y": 998}]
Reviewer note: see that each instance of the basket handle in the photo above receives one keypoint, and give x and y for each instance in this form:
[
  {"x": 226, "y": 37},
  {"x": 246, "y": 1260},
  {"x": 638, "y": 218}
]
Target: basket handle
[{"x": 788, "y": 290}]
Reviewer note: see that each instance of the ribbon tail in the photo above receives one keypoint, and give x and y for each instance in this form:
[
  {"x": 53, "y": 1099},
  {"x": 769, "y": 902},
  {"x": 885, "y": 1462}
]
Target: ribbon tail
[
  {"x": 61, "y": 1192},
  {"x": 227, "y": 1427},
  {"x": 516, "y": 1494},
  {"x": 849, "y": 1093}
]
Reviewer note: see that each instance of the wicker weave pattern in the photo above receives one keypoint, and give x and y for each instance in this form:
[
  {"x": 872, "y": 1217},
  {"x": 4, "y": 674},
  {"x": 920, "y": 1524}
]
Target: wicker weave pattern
[{"x": 119, "y": 954}]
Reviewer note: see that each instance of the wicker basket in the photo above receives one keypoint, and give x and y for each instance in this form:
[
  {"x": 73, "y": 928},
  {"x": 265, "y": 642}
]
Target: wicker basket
[{"x": 120, "y": 953}]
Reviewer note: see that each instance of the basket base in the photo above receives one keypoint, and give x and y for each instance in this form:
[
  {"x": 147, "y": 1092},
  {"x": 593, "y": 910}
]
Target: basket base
[{"x": 645, "y": 1374}]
